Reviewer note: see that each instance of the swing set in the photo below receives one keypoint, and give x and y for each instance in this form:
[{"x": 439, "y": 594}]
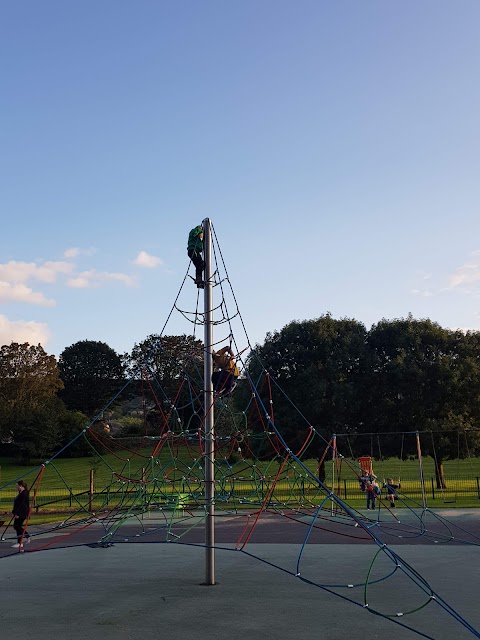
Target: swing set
[{"x": 412, "y": 446}]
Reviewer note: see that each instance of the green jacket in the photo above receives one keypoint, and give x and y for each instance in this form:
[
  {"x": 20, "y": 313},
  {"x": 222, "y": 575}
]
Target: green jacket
[{"x": 195, "y": 242}]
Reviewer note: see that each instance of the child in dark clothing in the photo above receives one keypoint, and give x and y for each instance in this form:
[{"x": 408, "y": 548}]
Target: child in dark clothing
[
  {"x": 363, "y": 480},
  {"x": 194, "y": 250},
  {"x": 373, "y": 491},
  {"x": 391, "y": 491},
  {"x": 21, "y": 508}
]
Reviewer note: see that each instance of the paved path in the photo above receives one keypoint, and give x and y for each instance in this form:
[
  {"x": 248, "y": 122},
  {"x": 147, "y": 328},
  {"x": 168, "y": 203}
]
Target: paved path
[
  {"x": 152, "y": 591},
  {"x": 74, "y": 588}
]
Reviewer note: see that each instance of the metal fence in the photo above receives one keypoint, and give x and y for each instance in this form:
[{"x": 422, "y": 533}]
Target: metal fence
[{"x": 237, "y": 491}]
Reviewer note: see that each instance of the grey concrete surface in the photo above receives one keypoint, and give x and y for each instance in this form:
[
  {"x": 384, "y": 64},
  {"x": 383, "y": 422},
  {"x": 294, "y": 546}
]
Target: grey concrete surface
[{"x": 152, "y": 591}]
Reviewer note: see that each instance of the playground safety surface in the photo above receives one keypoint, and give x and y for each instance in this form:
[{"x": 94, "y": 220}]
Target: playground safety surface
[{"x": 152, "y": 590}]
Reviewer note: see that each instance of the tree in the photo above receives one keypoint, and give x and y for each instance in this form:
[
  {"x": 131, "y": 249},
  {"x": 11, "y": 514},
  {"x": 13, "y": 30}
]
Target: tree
[
  {"x": 29, "y": 382},
  {"x": 92, "y": 373},
  {"x": 169, "y": 360},
  {"x": 423, "y": 378},
  {"x": 28, "y": 376},
  {"x": 37, "y": 431},
  {"x": 319, "y": 364}
]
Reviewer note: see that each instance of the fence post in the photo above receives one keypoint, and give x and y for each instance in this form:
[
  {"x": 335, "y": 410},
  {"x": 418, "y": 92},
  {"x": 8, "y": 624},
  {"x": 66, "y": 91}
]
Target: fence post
[
  {"x": 478, "y": 487},
  {"x": 91, "y": 490},
  {"x": 70, "y": 497},
  {"x": 433, "y": 489},
  {"x": 345, "y": 488}
]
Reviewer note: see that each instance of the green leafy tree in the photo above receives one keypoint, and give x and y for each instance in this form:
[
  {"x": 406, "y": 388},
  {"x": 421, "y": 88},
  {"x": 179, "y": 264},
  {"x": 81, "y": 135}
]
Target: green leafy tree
[
  {"x": 92, "y": 373},
  {"x": 172, "y": 368},
  {"x": 71, "y": 424},
  {"x": 423, "y": 378},
  {"x": 29, "y": 382},
  {"x": 28, "y": 376},
  {"x": 320, "y": 365},
  {"x": 168, "y": 359},
  {"x": 37, "y": 430}
]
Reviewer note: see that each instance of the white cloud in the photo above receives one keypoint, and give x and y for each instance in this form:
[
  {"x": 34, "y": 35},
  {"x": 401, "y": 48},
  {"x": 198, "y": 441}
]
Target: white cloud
[
  {"x": 48, "y": 272},
  {"x": 424, "y": 275},
  {"x": 146, "y": 260},
  {"x": 21, "y": 293},
  {"x": 424, "y": 293},
  {"x": 14, "y": 277},
  {"x": 23, "y": 331},
  {"x": 92, "y": 279},
  {"x": 74, "y": 252},
  {"x": 467, "y": 275}
]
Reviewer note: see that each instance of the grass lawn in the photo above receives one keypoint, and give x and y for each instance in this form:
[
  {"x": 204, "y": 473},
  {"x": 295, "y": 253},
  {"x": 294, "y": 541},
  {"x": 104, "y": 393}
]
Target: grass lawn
[{"x": 246, "y": 482}]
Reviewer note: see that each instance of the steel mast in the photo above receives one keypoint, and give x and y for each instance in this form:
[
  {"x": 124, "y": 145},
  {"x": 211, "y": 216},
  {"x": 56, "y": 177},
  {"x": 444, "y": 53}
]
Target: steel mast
[{"x": 208, "y": 400}]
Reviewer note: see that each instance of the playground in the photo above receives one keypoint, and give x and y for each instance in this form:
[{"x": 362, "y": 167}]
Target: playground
[
  {"x": 215, "y": 520},
  {"x": 151, "y": 588}
]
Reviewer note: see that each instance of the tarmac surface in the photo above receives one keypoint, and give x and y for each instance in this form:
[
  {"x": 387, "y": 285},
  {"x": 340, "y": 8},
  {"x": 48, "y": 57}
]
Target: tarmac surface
[{"x": 276, "y": 587}]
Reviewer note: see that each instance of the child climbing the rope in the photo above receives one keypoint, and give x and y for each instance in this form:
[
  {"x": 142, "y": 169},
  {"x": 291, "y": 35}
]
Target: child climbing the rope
[
  {"x": 21, "y": 508},
  {"x": 391, "y": 491},
  {"x": 225, "y": 373},
  {"x": 194, "y": 250}
]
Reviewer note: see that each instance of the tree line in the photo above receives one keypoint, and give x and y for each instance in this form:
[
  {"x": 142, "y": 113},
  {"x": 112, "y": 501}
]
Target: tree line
[
  {"x": 401, "y": 375},
  {"x": 45, "y": 402}
]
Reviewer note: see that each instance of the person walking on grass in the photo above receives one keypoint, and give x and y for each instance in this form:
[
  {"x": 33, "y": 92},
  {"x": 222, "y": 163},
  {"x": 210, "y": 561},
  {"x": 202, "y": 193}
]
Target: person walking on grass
[{"x": 21, "y": 508}]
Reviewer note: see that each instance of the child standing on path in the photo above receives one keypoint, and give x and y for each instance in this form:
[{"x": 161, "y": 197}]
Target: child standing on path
[{"x": 372, "y": 491}]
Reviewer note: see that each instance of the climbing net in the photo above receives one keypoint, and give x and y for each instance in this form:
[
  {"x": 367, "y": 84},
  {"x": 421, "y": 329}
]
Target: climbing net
[{"x": 150, "y": 486}]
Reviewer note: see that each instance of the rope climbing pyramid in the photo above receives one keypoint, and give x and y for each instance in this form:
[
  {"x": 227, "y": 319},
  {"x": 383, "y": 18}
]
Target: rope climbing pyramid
[{"x": 210, "y": 457}]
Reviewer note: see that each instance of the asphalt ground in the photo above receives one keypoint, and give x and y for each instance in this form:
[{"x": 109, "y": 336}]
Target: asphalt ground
[{"x": 273, "y": 587}]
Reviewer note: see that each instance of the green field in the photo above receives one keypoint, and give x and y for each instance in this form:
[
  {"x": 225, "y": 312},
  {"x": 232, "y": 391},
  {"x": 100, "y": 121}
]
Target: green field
[{"x": 65, "y": 482}]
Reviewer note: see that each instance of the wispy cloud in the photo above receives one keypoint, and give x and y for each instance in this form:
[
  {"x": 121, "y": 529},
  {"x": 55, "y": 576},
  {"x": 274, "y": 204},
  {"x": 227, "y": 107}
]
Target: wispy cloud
[
  {"x": 424, "y": 275},
  {"x": 74, "y": 252},
  {"x": 424, "y": 293},
  {"x": 466, "y": 275},
  {"x": 15, "y": 275},
  {"x": 23, "y": 331},
  {"x": 21, "y": 293},
  {"x": 93, "y": 279},
  {"x": 47, "y": 272},
  {"x": 146, "y": 260},
  {"x": 465, "y": 279}
]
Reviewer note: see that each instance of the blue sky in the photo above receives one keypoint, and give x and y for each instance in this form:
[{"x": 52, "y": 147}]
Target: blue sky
[{"x": 334, "y": 146}]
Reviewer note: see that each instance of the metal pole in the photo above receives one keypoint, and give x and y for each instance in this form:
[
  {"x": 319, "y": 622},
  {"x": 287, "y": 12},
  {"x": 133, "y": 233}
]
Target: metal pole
[
  {"x": 420, "y": 467},
  {"x": 208, "y": 410},
  {"x": 91, "y": 490},
  {"x": 334, "y": 456}
]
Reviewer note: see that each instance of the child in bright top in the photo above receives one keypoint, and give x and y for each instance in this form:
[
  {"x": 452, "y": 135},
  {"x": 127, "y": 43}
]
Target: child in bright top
[{"x": 226, "y": 372}]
